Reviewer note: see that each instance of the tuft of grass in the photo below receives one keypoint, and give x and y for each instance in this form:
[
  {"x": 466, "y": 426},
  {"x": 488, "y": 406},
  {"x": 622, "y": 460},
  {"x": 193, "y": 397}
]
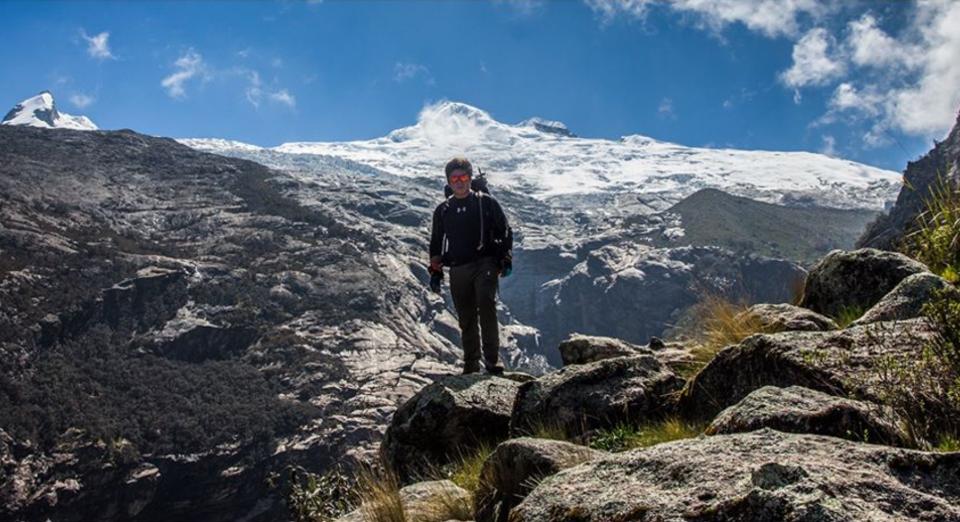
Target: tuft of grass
[
  {"x": 379, "y": 495},
  {"x": 723, "y": 323},
  {"x": 948, "y": 444},
  {"x": 551, "y": 431},
  {"x": 465, "y": 470},
  {"x": 936, "y": 239},
  {"x": 626, "y": 437},
  {"x": 847, "y": 315}
]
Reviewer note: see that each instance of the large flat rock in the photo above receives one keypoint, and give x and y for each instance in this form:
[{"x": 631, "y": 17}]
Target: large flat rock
[{"x": 759, "y": 476}]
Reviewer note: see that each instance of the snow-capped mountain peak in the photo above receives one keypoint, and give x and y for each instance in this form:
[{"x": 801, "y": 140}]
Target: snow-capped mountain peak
[
  {"x": 41, "y": 111},
  {"x": 542, "y": 159}
]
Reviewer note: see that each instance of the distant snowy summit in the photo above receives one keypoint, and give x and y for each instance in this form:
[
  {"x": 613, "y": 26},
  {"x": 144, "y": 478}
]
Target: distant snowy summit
[
  {"x": 41, "y": 111},
  {"x": 545, "y": 160}
]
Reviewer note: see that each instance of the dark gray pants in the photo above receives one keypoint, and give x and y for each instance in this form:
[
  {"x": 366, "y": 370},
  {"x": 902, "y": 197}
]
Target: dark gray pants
[{"x": 474, "y": 290}]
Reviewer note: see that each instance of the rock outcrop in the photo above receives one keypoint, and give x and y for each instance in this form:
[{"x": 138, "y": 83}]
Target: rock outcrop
[
  {"x": 857, "y": 279},
  {"x": 906, "y": 299},
  {"x": 920, "y": 177},
  {"x": 448, "y": 418},
  {"x": 583, "y": 349},
  {"x": 516, "y": 466},
  {"x": 796, "y": 409},
  {"x": 764, "y": 475},
  {"x": 786, "y": 317},
  {"x": 585, "y": 397},
  {"x": 844, "y": 363}
]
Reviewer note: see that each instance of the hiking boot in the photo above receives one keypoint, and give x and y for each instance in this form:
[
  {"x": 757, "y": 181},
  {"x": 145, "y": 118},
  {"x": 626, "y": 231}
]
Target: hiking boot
[
  {"x": 468, "y": 369},
  {"x": 495, "y": 370}
]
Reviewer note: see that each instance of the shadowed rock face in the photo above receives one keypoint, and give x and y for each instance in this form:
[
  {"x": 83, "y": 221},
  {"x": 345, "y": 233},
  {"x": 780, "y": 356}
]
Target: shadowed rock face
[
  {"x": 801, "y": 410},
  {"x": 906, "y": 300},
  {"x": 516, "y": 466},
  {"x": 448, "y": 418},
  {"x": 760, "y": 476}
]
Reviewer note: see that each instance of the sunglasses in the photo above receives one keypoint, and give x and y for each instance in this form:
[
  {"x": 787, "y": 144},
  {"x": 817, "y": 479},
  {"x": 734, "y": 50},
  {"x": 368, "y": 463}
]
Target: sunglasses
[{"x": 459, "y": 177}]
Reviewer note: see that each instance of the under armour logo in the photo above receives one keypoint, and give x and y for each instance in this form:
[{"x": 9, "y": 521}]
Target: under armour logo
[{"x": 461, "y": 209}]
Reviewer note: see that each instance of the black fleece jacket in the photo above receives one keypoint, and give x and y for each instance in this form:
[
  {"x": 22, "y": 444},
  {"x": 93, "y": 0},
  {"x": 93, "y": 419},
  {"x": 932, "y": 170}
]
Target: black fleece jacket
[{"x": 467, "y": 229}]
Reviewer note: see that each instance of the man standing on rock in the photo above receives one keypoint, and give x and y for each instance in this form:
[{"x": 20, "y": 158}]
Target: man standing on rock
[{"x": 470, "y": 235}]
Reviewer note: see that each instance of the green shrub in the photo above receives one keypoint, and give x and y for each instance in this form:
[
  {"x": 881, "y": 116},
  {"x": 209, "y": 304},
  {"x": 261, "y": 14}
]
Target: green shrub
[
  {"x": 848, "y": 314},
  {"x": 926, "y": 392},
  {"x": 465, "y": 470},
  {"x": 936, "y": 239},
  {"x": 319, "y": 498},
  {"x": 626, "y": 437}
]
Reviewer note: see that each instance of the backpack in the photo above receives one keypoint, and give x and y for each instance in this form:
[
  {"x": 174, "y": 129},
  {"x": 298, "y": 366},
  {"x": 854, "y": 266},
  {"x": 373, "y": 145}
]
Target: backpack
[{"x": 477, "y": 184}]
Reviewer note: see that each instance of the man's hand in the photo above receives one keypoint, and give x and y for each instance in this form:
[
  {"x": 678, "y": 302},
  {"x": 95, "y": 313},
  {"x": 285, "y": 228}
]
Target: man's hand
[
  {"x": 436, "y": 275},
  {"x": 436, "y": 279},
  {"x": 506, "y": 266}
]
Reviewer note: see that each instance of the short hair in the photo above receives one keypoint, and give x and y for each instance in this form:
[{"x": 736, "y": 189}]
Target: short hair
[{"x": 459, "y": 164}]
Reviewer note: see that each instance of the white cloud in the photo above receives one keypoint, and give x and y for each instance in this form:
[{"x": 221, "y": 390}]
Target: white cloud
[
  {"x": 771, "y": 17},
  {"x": 877, "y": 136},
  {"x": 98, "y": 46},
  {"x": 829, "y": 147},
  {"x": 522, "y": 7},
  {"x": 81, "y": 101},
  {"x": 188, "y": 66},
  {"x": 871, "y": 46},
  {"x": 254, "y": 92},
  {"x": 283, "y": 97},
  {"x": 665, "y": 109},
  {"x": 407, "y": 71},
  {"x": 846, "y": 97},
  {"x": 812, "y": 61},
  {"x": 929, "y": 105}
]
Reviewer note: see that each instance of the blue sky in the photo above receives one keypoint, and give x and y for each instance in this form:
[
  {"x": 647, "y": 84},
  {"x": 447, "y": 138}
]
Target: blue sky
[{"x": 872, "y": 82}]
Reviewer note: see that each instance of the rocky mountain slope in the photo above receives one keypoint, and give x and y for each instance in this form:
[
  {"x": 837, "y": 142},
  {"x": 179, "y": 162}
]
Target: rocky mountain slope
[{"x": 176, "y": 326}]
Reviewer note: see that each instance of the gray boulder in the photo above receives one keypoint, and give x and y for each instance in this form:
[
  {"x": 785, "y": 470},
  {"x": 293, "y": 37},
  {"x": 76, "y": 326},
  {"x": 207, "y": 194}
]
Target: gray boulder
[
  {"x": 431, "y": 501},
  {"x": 762, "y": 476},
  {"x": 906, "y": 299},
  {"x": 514, "y": 468},
  {"x": 583, "y": 349},
  {"x": 855, "y": 279},
  {"x": 602, "y": 394},
  {"x": 445, "y": 419},
  {"x": 801, "y": 410},
  {"x": 844, "y": 362},
  {"x": 786, "y": 317}
]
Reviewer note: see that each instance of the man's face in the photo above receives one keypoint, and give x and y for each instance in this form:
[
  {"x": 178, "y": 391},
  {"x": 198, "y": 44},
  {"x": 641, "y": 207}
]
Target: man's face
[{"x": 459, "y": 181}]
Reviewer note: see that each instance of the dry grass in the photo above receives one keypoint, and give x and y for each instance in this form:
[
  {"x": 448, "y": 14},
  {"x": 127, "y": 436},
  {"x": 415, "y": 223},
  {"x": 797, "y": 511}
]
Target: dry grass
[
  {"x": 379, "y": 494},
  {"x": 723, "y": 323}
]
